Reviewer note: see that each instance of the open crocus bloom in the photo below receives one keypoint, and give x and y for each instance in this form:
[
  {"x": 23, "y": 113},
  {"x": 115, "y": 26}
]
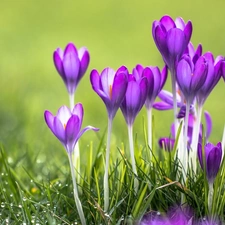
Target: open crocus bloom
[
  {"x": 66, "y": 125},
  {"x": 111, "y": 86},
  {"x": 71, "y": 65}
]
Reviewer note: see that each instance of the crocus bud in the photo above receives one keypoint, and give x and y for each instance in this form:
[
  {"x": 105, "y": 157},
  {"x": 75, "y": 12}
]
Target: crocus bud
[
  {"x": 171, "y": 38},
  {"x": 71, "y": 65},
  {"x": 213, "y": 156}
]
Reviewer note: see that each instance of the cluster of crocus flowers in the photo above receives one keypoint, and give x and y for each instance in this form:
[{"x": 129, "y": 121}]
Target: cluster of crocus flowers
[{"x": 193, "y": 74}]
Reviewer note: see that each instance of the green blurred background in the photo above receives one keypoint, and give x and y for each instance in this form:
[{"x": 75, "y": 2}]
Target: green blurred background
[{"x": 116, "y": 32}]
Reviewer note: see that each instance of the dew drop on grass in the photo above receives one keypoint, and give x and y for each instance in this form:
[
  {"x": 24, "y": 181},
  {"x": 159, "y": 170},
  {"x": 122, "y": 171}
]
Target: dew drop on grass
[
  {"x": 11, "y": 195},
  {"x": 24, "y": 199},
  {"x": 2, "y": 205},
  {"x": 20, "y": 206},
  {"x": 31, "y": 181},
  {"x": 48, "y": 204}
]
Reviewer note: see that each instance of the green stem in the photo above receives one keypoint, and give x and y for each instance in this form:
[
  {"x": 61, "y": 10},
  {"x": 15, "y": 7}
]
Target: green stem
[
  {"x": 131, "y": 142},
  {"x": 75, "y": 192},
  {"x": 149, "y": 117},
  {"x": 195, "y": 137},
  {"x": 210, "y": 197},
  {"x": 174, "y": 92},
  {"x": 185, "y": 151},
  {"x": 106, "y": 175}
]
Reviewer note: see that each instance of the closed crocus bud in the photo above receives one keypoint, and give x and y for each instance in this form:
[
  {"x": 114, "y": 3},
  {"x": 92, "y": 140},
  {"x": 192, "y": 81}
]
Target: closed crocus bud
[
  {"x": 111, "y": 86},
  {"x": 66, "y": 125},
  {"x": 71, "y": 65},
  {"x": 213, "y": 156},
  {"x": 134, "y": 99},
  {"x": 212, "y": 77},
  {"x": 171, "y": 38},
  {"x": 190, "y": 76}
]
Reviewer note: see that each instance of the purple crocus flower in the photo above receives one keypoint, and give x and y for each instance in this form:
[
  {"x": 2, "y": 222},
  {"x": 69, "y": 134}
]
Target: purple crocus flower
[
  {"x": 66, "y": 125},
  {"x": 111, "y": 86},
  {"x": 190, "y": 76},
  {"x": 192, "y": 52},
  {"x": 156, "y": 80},
  {"x": 134, "y": 99},
  {"x": 171, "y": 38},
  {"x": 213, "y": 156},
  {"x": 212, "y": 78},
  {"x": 71, "y": 65}
]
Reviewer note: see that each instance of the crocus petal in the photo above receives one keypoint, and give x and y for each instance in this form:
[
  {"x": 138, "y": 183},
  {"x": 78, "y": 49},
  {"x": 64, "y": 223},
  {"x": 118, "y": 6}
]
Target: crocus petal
[
  {"x": 72, "y": 130},
  {"x": 107, "y": 77},
  {"x": 175, "y": 42},
  {"x": 160, "y": 40},
  {"x": 84, "y": 130},
  {"x": 71, "y": 65},
  {"x": 200, "y": 155},
  {"x": 70, "y": 49},
  {"x": 188, "y": 32},
  {"x": 119, "y": 88},
  {"x": 59, "y": 130},
  {"x": 162, "y": 106},
  {"x": 49, "y": 119},
  {"x": 84, "y": 58},
  {"x": 64, "y": 114},
  {"x": 167, "y": 22},
  {"x": 164, "y": 74},
  {"x": 199, "y": 74},
  {"x": 180, "y": 23},
  {"x": 184, "y": 74},
  {"x": 58, "y": 64},
  {"x": 79, "y": 111},
  {"x": 208, "y": 121}
]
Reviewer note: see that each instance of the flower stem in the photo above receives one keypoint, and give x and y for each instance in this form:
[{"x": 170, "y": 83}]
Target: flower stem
[
  {"x": 173, "y": 80},
  {"x": 71, "y": 99},
  {"x": 149, "y": 117},
  {"x": 131, "y": 142},
  {"x": 106, "y": 175},
  {"x": 210, "y": 197},
  {"x": 185, "y": 150},
  {"x": 76, "y": 152},
  {"x": 75, "y": 192},
  {"x": 195, "y": 137}
]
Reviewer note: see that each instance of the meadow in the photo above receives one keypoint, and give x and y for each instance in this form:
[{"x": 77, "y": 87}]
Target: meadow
[{"x": 116, "y": 33}]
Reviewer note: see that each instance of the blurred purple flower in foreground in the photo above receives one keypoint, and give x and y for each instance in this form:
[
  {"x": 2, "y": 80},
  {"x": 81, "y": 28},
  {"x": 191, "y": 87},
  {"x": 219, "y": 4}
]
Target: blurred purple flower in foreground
[
  {"x": 66, "y": 125},
  {"x": 111, "y": 86},
  {"x": 213, "y": 156},
  {"x": 71, "y": 65}
]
